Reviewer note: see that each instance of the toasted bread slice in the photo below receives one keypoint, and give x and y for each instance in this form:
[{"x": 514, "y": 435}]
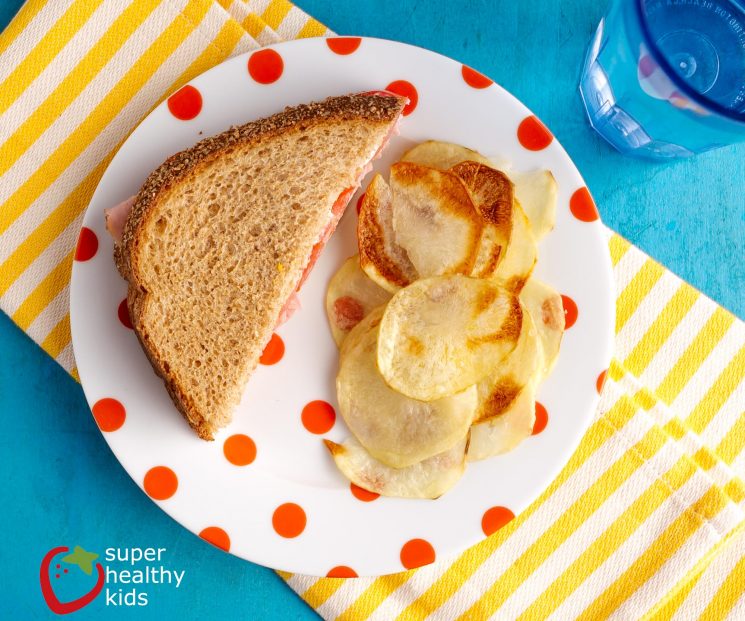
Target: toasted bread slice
[{"x": 221, "y": 234}]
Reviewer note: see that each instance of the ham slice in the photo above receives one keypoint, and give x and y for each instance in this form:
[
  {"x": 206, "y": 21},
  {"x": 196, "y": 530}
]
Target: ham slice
[
  {"x": 288, "y": 310},
  {"x": 116, "y": 217}
]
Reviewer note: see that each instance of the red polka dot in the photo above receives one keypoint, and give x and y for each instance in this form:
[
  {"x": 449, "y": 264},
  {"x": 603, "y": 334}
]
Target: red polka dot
[
  {"x": 343, "y": 45},
  {"x": 359, "y": 202},
  {"x": 570, "y": 311},
  {"x": 600, "y": 382},
  {"x": 362, "y": 494},
  {"x": 417, "y": 552},
  {"x": 109, "y": 414},
  {"x": 341, "y": 571},
  {"x": 239, "y": 449},
  {"x": 541, "y": 418},
  {"x": 87, "y": 245},
  {"x": 265, "y": 66},
  {"x": 123, "y": 313},
  {"x": 533, "y": 134},
  {"x": 273, "y": 351},
  {"x": 494, "y": 518},
  {"x": 475, "y": 79},
  {"x": 64, "y": 571},
  {"x": 217, "y": 537},
  {"x": 160, "y": 482},
  {"x": 185, "y": 103},
  {"x": 289, "y": 520},
  {"x": 582, "y": 206},
  {"x": 405, "y": 89},
  {"x": 318, "y": 417},
  {"x": 646, "y": 66}
]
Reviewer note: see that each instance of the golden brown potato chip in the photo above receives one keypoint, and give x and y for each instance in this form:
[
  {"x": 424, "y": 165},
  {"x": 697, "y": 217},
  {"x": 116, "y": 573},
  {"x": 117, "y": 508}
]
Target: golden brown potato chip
[
  {"x": 545, "y": 307},
  {"x": 442, "y": 155},
  {"x": 430, "y": 478},
  {"x": 381, "y": 258},
  {"x": 434, "y": 220},
  {"x": 519, "y": 259},
  {"x": 350, "y": 297},
  {"x": 503, "y": 433},
  {"x": 395, "y": 429},
  {"x": 536, "y": 192},
  {"x": 440, "y": 335},
  {"x": 492, "y": 194},
  {"x": 499, "y": 390}
]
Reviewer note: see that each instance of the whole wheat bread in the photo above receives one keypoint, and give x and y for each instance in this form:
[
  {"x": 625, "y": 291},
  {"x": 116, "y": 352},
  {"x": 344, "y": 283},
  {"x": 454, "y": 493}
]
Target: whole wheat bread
[{"x": 220, "y": 235}]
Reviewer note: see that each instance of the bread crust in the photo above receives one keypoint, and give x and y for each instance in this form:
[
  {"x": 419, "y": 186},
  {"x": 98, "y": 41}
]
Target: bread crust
[{"x": 377, "y": 109}]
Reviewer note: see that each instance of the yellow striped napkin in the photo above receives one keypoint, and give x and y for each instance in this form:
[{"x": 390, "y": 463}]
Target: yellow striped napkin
[{"x": 647, "y": 519}]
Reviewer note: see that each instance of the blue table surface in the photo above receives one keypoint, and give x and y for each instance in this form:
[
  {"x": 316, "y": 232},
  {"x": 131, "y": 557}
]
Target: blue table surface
[{"x": 63, "y": 486}]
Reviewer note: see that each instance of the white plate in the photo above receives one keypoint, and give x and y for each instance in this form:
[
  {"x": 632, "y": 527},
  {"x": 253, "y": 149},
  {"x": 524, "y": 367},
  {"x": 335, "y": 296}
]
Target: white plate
[{"x": 291, "y": 463}]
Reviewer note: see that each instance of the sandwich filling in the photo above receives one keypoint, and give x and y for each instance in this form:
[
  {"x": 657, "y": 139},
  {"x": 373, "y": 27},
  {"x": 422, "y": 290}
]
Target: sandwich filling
[{"x": 337, "y": 211}]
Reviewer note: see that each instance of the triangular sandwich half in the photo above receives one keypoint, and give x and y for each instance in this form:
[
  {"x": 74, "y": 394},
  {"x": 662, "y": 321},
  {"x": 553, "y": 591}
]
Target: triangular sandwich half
[{"x": 221, "y": 236}]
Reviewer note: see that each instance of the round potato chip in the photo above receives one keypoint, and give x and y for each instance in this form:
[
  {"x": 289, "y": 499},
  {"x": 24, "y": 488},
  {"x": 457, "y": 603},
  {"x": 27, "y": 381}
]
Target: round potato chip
[
  {"x": 519, "y": 258},
  {"x": 434, "y": 220},
  {"x": 395, "y": 429},
  {"x": 350, "y": 297},
  {"x": 430, "y": 478},
  {"x": 545, "y": 307},
  {"x": 440, "y": 335},
  {"x": 445, "y": 155},
  {"x": 370, "y": 322},
  {"x": 492, "y": 194},
  {"x": 498, "y": 391},
  {"x": 381, "y": 258},
  {"x": 536, "y": 192},
  {"x": 503, "y": 433}
]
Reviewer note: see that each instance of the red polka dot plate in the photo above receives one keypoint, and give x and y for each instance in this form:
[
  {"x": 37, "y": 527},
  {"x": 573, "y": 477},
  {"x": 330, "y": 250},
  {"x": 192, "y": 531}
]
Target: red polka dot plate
[{"x": 266, "y": 488}]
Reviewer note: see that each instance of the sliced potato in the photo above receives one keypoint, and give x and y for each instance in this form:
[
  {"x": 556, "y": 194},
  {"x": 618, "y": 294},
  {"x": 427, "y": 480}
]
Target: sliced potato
[
  {"x": 369, "y": 323},
  {"x": 434, "y": 219},
  {"x": 492, "y": 194},
  {"x": 442, "y": 155},
  {"x": 536, "y": 192},
  {"x": 381, "y": 258},
  {"x": 396, "y": 430},
  {"x": 521, "y": 254},
  {"x": 503, "y": 433},
  {"x": 498, "y": 391},
  {"x": 490, "y": 252},
  {"x": 427, "y": 479},
  {"x": 440, "y": 335},
  {"x": 350, "y": 297},
  {"x": 547, "y": 310}
]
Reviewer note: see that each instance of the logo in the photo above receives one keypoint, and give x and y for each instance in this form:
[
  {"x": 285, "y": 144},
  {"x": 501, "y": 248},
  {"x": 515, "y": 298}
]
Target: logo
[
  {"x": 129, "y": 576},
  {"x": 80, "y": 558}
]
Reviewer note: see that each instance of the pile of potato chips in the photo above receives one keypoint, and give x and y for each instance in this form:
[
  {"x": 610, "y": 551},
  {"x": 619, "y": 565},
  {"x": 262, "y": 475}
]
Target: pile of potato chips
[{"x": 443, "y": 334}]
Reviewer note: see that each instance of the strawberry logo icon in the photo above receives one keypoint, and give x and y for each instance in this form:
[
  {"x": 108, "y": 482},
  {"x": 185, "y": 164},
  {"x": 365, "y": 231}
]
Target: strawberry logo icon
[{"x": 84, "y": 561}]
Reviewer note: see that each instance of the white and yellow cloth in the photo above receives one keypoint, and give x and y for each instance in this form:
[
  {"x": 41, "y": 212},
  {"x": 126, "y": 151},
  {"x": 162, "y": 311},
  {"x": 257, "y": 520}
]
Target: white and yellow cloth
[{"x": 648, "y": 518}]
